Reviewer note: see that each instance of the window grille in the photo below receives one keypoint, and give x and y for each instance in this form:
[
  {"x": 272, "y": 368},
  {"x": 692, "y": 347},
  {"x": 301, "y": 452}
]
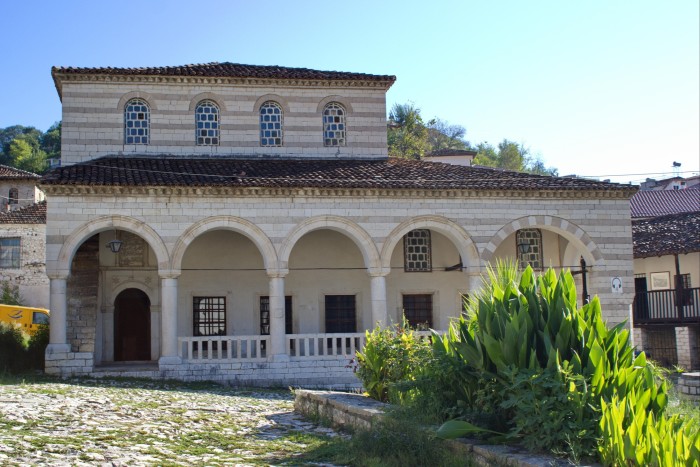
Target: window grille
[
  {"x": 207, "y": 123},
  {"x": 417, "y": 251},
  {"x": 270, "y": 124},
  {"x": 340, "y": 313},
  {"x": 10, "y": 249},
  {"x": 533, "y": 252},
  {"x": 334, "y": 125},
  {"x": 418, "y": 310},
  {"x": 137, "y": 122},
  {"x": 209, "y": 316}
]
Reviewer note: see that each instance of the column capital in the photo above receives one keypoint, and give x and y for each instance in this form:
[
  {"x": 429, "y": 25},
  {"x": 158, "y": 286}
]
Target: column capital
[
  {"x": 277, "y": 273},
  {"x": 58, "y": 275},
  {"x": 378, "y": 272},
  {"x": 169, "y": 273}
]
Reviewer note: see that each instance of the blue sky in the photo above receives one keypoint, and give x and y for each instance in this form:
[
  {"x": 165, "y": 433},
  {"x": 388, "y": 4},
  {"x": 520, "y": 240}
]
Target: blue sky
[{"x": 594, "y": 87}]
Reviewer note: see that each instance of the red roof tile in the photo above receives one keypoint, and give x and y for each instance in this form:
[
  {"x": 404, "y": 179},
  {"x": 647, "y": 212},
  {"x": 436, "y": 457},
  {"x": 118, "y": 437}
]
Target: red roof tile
[
  {"x": 34, "y": 214},
  {"x": 227, "y": 69},
  {"x": 666, "y": 235},
  {"x": 7, "y": 173},
  {"x": 309, "y": 173},
  {"x": 661, "y": 202}
]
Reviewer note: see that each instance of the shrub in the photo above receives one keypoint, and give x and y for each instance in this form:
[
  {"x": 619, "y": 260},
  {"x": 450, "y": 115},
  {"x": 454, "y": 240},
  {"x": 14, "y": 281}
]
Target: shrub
[
  {"x": 534, "y": 358},
  {"x": 10, "y": 294},
  {"x": 12, "y": 348},
  {"x": 36, "y": 348},
  {"x": 390, "y": 356}
]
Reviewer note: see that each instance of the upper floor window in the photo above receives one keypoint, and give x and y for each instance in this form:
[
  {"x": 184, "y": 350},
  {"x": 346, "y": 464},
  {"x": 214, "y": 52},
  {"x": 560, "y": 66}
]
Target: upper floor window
[
  {"x": 417, "y": 251},
  {"x": 10, "y": 253},
  {"x": 528, "y": 243},
  {"x": 206, "y": 117},
  {"x": 13, "y": 196},
  {"x": 137, "y": 122},
  {"x": 334, "y": 125},
  {"x": 270, "y": 124}
]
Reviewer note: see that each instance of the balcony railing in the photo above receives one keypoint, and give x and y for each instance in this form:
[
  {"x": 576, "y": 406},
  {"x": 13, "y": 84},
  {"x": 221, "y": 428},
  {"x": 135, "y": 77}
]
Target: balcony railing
[
  {"x": 230, "y": 348},
  {"x": 661, "y": 307},
  {"x": 324, "y": 345}
]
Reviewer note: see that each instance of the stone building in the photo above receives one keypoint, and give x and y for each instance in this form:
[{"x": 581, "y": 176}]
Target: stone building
[
  {"x": 18, "y": 188},
  {"x": 244, "y": 224},
  {"x": 666, "y": 235}
]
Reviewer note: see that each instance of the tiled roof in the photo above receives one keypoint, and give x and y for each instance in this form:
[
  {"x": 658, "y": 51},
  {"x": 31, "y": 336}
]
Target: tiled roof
[
  {"x": 311, "y": 173},
  {"x": 34, "y": 214},
  {"x": 654, "y": 203},
  {"x": 7, "y": 172},
  {"x": 451, "y": 152},
  {"x": 229, "y": 70},
  {"x": 666, "y": 235}
]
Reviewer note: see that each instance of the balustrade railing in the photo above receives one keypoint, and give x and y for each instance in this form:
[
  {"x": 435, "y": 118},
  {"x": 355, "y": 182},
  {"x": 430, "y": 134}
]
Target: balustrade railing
[
  {"x": 661, "y": 307},
  {"x": 324, "y": 345},
  {"x": 206, "y": 348}
]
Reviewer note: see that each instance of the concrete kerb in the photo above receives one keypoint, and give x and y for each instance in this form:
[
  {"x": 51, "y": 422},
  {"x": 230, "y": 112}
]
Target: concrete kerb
[{"x": 351, "y": 412}]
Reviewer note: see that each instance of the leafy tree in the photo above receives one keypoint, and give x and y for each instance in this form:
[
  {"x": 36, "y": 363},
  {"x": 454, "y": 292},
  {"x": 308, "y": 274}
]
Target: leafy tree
[
  {"x": 442, "y": 135},
  {"x": 26, "y": 157},
  {"x": 407, "y": 135},
  {"x": 30, "y": 134},
  {"x": 51, "y": 141},
  {"x": 511, "y": 156}
]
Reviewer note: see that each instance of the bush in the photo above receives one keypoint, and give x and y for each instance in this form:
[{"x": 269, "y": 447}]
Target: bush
[
  {"x": 12, "y": 348},
  {"x": 10, "y": 294},
  {"x": 36, "y": 348},
  {"x": 530, "y": 356},
  {"x": 390, "y": 356}
]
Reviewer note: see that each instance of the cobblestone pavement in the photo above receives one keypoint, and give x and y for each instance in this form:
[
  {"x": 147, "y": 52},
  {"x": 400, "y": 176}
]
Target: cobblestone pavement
[{"x": 137, "y": 422}]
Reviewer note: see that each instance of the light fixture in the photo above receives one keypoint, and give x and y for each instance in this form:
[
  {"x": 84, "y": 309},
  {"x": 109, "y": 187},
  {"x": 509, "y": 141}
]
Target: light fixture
[
  {"x": 114, "y": 245},
  {"x": 524, "y": 247}
]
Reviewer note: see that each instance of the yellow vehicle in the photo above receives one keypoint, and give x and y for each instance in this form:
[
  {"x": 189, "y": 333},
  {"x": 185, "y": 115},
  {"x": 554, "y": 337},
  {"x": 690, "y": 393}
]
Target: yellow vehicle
[{"x": 28, "y": 319}]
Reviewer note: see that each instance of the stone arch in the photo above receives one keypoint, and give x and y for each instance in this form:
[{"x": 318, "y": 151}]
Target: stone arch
[
  {"x": 150, "y": 291},
  {"x": 202, "y": 96},
  {"x": 339, "y": 224},
  {"x": 274, "y": 98},
  {"x": 572, "y": 232},
  {"x": 235, "y": 224},
  {"x": 344, "y": 101},
  {"x": 104, "y": 223},
  {"x": 456, "y": 234},
  {"x": 137, "y": 95}
]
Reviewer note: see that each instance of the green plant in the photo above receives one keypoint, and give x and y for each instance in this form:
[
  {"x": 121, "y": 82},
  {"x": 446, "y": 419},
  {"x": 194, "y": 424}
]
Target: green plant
[
  {"x": 390, "y": 356},
  {"x": 633, "y": 435},
  {"x": 529, "y": 353},
  {"x": 36, "y": 347},
  {"x": 10, "y": 294},
  {"x": 12, "y": 348}
]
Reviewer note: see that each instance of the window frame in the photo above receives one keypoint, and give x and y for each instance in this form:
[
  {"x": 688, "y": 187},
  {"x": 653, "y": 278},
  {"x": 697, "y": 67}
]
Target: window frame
[
  {"x": 410, "y": 243},
  {"x": 417, "y": 307},
  {"x": 216, "y": 123},
  {"x": 264, "y": 304},
  {"x": 275, "y": 133},
  {"x": 335, "y": 137},
  {"x": 10, "y": 255},
  {"x": 339, "y": 324},
  {"x": 145, "y": 138},
  {"x": 535, "y": 252},
  {"x": 217, "y": 319}
]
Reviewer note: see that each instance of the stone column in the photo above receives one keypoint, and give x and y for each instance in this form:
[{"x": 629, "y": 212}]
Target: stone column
[
  {"x": 278, "y": 350},
  {"x": 380, "y": 316},
  {"x": 685, "y": 348},
  {"x": 168, "y": 319},
  {"x": 58, "y": 317}
]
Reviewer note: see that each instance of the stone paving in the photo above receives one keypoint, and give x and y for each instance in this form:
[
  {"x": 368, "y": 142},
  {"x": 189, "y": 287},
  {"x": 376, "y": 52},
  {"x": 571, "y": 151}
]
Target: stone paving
[{"x": 138, "y": 422}]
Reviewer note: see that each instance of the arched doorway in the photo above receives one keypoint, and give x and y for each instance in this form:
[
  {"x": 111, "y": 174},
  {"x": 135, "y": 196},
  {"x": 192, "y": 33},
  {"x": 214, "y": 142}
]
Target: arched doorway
[{"x": 132, "y": 326}]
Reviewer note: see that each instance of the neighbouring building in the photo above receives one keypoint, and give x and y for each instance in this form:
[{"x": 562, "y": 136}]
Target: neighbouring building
[
  {"x": 18, "y": 188},
  {"x": 452, "y": 156},
  {"x": 666, "y": 233},
  {"x": 245, "y": 224}
]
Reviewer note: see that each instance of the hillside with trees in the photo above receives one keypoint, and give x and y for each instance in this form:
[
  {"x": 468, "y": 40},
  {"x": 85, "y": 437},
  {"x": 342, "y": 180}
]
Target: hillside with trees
[
  {"x": 27, "y": 148},
  {"x": 409, "y": 137}
]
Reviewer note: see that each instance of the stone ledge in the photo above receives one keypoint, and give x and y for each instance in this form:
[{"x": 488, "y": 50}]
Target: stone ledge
[{"x": 355, "y": 411}]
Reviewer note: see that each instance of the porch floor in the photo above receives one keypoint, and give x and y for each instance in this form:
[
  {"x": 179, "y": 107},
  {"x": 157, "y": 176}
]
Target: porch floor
[{"x": 134, "y": 368}]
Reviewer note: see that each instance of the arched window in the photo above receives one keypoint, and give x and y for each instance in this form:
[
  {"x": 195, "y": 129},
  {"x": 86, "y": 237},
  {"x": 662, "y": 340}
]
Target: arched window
[
  {"x": 13, "y": 196},
  {"x": 206, "y": 117},
  {"x": 528, "y": 244},
  {"x": 270, "y": 124},
  {"x": 137, "y": 122},
  {"x": 334, "y": 125}
]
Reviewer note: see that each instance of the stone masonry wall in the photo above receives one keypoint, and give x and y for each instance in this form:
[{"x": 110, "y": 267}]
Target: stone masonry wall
[
  {"x": 93, "y": 119},
  {"x": 82, "y": 292},
  {"x": 31, "y": 276}
]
